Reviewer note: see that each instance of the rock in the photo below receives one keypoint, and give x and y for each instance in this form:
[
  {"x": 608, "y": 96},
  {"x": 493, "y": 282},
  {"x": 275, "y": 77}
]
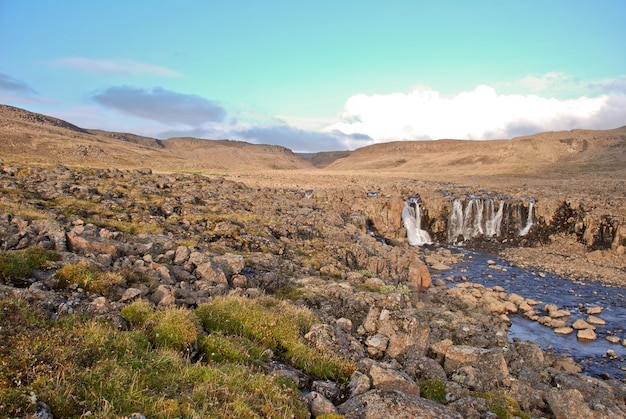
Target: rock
[
  {"x": 596, "y": 320},
  {"x": 440, "y": 267},
  {"x": 208, "y": 271},
  {"x": 405, "y": 332},
  {"x": 320, "y": 405},
  {"x": 181, "y": 255},
  {"x": 379, "y": 404},
  {"x": 580, "y": 324},
  {"x": 332, "y": 340},
  {"x": 563, "y": 330},
  {"x": 490, "y": 365},
  {"x": 440, "y": 348},
  {"x": 594, "y": 310},
  {"x": 586, "y": 334},
  {"x": 569, "y": 404},
  {"x": 230, "y": 264},
  {"x": 359, "y": 383},
  {"x": 376, "y": 345},
  {"x": 388, "y": 379}
]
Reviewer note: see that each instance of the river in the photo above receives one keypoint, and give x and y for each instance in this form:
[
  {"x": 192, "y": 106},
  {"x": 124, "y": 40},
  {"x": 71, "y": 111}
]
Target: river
[{"x": 574, "y": 296}]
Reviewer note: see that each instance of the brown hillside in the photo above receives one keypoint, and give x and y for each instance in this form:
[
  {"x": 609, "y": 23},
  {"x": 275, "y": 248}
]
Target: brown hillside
[
  {"x": 560, "y": 152},
  {"x": 34, "y": 138}
]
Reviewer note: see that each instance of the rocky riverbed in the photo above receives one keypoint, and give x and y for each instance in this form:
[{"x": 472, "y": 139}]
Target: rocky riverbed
[{"x": 341, "y": 254}]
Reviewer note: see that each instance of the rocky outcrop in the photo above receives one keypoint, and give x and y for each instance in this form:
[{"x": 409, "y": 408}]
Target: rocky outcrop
[{"x": 182, "y": 240}]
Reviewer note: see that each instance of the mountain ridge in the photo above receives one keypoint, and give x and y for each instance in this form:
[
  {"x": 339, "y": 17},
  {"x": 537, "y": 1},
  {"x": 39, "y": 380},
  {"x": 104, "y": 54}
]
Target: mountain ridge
[{"x": 38, "y": 138}]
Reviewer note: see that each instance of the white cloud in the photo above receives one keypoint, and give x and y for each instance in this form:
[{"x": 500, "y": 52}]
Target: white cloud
[
  {"x": 116, "y": 67},
  {"x": 478, "y": 114}
]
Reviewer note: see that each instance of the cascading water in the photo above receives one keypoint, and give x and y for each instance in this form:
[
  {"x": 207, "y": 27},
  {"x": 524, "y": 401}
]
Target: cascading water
[
  {"x": 529, "y": 219},
  {"x": 473, "y": 217},
  {"x": 412, "y": 220}
]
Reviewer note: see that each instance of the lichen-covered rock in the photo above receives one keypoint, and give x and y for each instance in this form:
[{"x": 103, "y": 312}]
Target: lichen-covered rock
[{"x": 379, "y": 404}]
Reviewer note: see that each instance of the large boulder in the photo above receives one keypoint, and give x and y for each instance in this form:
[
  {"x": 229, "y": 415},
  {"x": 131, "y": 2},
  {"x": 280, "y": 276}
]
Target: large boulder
[{"x": 380, "y": 404}]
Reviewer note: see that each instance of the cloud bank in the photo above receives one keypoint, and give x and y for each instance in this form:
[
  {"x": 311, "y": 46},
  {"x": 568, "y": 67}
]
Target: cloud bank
[
  {"x": 116, "y": 67},
  {"x": 424, "y": 114},
  {"x": 161, "y": 105}
]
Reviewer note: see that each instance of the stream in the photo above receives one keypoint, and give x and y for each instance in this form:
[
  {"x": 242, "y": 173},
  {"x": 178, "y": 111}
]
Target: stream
[{"x": 574, "y": 296}]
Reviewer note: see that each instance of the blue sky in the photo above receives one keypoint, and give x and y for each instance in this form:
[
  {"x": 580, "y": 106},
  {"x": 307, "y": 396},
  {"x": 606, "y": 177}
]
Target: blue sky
[{"x": 318, "y": 75}]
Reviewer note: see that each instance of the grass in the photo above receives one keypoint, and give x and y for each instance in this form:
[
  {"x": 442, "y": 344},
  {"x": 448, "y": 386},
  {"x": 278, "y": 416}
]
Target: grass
[
  {"x": 81, "y": 366},
  {"x": 22, "y": 263},
  {"x": 433, "y": 389},
  {"x": 91, "y": 278},
  {"x": 278, "y": 326}
]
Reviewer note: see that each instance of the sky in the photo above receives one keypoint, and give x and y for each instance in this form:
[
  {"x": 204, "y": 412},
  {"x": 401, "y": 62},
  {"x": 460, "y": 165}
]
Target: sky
[{"x": 318, "y": 75}]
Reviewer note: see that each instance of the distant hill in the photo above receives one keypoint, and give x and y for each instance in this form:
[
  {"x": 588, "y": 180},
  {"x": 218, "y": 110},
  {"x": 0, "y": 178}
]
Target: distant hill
[
  {"x": 34, "y": 138},
  {"x": 30, "y": 137},
  {"x": 561, "y": 152},
  {"x": 324, "y": 158}
]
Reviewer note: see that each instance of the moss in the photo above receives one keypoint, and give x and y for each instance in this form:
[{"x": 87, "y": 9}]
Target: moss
[
  {"x": 91, "y": 278},
  {"x": 433, "y": 389},
  {"x": 21, "y": 264},
  {"x": 503, "y": 405}
]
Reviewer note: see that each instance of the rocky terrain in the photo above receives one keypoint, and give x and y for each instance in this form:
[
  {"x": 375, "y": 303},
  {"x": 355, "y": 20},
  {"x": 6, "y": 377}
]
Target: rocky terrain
[
  {"x": 187, "y": 224},
  {"x": 198, "y": 239}
]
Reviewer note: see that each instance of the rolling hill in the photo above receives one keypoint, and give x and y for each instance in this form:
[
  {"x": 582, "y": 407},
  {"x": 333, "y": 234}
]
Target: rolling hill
[{"x": 30, "y": 137}]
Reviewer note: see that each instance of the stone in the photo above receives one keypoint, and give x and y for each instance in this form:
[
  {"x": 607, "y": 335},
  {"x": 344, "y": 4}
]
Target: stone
[
  {"x": 563, "y": 330},
  {"x": 440, "y": 348},
  {"x": 376, "y": 344},
  {"x": 405, "y": 332},
  {"x": 586, "y": 334},
  {"x": 440, "y": 267},
  {"x": 389, "y": 379},
  {"x": 359, "y": 383},
  {"x": 320, "y": 405},
  {"x": 581, "y": 324},
  {"x": 209, "y": 272},
  {"x": 596, "y": 320},
  {"x": 568, "y": 404},
  {"x": 594, "y": 310},
  {"x": 379, "y": 404}
]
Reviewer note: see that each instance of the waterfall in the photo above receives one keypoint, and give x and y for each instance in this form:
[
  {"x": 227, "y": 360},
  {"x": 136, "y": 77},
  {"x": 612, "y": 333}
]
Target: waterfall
[
  {"x": 412, "y": 220},
  {"x": 493, "y": 221},
  {"x": 529, "y": 219},
  {"x": 455, "y": 221},
  {"x": 474, "y": 217}
]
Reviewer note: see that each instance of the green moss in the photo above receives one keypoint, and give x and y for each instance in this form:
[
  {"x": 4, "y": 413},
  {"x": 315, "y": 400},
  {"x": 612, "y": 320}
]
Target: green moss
[
  {"x": 91, "y": 278},
  {"x": 433, "y": 389},
  {"x": 503, "y": 405},
  {"x": 21, "y": 264}
]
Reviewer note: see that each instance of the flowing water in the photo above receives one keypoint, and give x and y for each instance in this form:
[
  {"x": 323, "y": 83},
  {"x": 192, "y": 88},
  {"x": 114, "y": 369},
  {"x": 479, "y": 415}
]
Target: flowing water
[{"x": 566, "y": 294}]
